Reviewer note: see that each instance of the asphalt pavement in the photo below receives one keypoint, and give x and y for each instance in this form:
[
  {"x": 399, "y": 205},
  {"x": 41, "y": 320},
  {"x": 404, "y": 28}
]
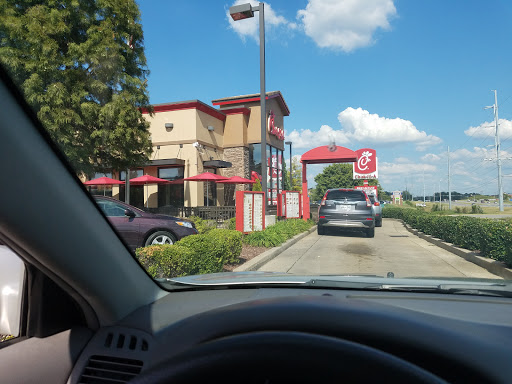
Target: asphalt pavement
[{"x": 393, "y": 249}]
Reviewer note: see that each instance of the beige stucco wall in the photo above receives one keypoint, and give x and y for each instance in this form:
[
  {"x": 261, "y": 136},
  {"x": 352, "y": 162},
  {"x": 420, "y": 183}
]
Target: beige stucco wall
[
  {"x": 184, "y": 126},
  {"x": 254, "y": 126},
  {"x": 236, "y": 130},
  {"x": 203, "y": 135}
]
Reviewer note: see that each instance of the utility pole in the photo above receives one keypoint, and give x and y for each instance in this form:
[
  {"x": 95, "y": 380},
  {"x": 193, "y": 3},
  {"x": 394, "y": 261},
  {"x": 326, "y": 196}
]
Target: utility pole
[
  {"x": 449, "y": 179},
  {"x": 440, "y": 192},
  {"x": 423, "y": 185},
  {"x": 498, "y": 150}
]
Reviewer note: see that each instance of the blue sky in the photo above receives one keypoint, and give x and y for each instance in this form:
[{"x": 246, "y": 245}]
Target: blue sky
[{"x": 408, "y": 78}]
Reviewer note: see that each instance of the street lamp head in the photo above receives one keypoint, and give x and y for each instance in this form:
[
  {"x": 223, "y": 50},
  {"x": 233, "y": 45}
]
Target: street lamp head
[
  {"x": 242, "y": 11},
  {"x": 288, "y": 143}
]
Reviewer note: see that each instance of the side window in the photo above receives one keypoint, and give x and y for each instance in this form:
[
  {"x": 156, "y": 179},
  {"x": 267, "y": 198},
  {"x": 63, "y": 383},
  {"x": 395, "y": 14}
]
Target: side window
[
  {"x": 12, "y": 278},
  {"x": 111, "y": 209}
]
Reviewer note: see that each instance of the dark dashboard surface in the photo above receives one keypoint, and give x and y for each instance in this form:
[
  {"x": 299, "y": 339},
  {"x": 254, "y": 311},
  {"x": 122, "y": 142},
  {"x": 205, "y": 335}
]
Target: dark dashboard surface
[{"x": 460, "y": 338}]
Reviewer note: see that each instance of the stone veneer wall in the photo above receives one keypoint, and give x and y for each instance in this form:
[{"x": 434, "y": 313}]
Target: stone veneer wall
[{"x": 239, "y": 158}]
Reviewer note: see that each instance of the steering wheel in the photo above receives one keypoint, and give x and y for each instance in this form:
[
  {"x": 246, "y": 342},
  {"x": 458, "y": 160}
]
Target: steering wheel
[{"x": 284, "y": 357}]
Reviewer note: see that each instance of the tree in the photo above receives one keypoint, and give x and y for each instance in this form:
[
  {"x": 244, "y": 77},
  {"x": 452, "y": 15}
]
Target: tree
[
  {"x": 81, "y": 66},
  {"x": 333, "y": 176},
  {"x": 286, "y": 178},
  {"x": 296, "y": 175},
  {"x": 339, "y": 176},
  {"x": 257, "y": 186}
]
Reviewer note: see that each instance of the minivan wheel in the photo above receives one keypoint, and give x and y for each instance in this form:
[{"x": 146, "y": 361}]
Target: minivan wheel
[
  {"x": 370, "y": 232},
  {"x": 378, "y": 223},
  {"x": 160, "y": 237},
  {"x": 320, "y": 230}
]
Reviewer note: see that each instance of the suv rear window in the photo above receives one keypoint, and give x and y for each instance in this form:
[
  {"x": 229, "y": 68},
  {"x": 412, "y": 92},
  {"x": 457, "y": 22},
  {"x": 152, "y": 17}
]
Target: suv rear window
[{"x": 349, "y": 195}]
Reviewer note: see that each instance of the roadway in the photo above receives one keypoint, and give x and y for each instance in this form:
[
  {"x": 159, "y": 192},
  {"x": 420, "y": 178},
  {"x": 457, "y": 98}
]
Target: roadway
[{"x": 393, "y": 249}]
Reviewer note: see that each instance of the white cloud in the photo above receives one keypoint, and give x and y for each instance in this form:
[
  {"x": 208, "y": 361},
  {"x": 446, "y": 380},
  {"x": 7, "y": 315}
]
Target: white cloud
[
  {"x": 249, "y": 27},
  {"x": 359, "y": 125},
  {"x": 345, "y": 24},
  {"x": 431, "y": 158},
  {"x": 404, "y": 169},
  {"x": 311, "y": 139},
  {"x": 487, "y": 129}
]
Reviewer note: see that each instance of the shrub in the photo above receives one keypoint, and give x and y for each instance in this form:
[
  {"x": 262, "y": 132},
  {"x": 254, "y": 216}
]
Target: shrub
[
  {"x": 203, "y": 226},
  {"x": 229, "y": 243},
  {"x": 166, "y": 260},
  {"x": 277, "y": 234},
  {"x": 192, "y": 255},
  {"x": 491, "y": 237},
  {"x": 232, "y": 223},
  {"x": 475, "y": 208}
]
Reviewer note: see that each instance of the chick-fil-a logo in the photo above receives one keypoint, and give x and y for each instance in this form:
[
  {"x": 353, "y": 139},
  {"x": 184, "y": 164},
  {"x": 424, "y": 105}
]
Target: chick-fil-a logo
[
  {"x": 366, "y": 161},
  {"x": 272, "y": 129}
]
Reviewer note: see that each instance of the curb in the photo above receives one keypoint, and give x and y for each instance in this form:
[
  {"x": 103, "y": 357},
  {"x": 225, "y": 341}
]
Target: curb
[
  {"x": 496, "y": 267},
  {"x": 259, "y": 261}
]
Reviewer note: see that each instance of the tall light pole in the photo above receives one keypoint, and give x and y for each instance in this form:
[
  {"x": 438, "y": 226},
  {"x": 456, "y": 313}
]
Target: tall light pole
[
  {"x": 290, "y": 144},
  {"x": 245, "y": 11}
]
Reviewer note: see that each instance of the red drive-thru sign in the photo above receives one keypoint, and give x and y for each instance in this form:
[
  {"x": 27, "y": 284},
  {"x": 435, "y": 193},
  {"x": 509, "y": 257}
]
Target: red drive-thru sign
[
  {"x": 250, "y": 211},
  {"x": 366, "y": 165}
]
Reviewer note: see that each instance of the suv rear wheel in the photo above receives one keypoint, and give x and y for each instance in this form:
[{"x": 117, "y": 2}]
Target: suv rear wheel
[
  {"x": 320, "y": 230},
  {"x": 370, "y": 232}
]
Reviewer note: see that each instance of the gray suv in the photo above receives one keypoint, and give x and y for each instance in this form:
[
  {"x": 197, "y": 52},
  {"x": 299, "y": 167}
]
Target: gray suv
[{"x": 347, "y": 209}]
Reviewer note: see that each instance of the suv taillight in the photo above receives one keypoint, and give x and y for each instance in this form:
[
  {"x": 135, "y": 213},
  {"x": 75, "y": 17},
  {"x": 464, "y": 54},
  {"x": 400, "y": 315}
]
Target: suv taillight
[
  {"x": 368, "y": 202},
  {"x": 323, "y": 200}
]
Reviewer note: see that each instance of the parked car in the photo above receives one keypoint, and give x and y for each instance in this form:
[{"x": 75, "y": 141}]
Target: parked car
[
  {"x": 139, "y": 228},
  {"x": 377, "y": 210},
  {"x": 348, "y": 209}
]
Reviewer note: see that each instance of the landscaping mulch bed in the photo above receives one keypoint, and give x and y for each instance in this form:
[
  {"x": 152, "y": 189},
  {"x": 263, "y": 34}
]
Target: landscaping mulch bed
[{"x": 247, "y": 253}]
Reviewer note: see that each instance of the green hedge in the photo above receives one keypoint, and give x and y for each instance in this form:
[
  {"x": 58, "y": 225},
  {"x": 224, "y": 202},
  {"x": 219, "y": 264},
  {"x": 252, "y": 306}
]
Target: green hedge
[
  {"x": 192, "y": 255},
  {"x": 493, "y": 238},
  {"x": 277, "y": 234}
]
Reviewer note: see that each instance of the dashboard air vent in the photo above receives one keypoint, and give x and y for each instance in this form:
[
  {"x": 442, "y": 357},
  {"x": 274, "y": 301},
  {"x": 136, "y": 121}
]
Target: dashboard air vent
[
  {"x": 108, "y": 369},
  {"x": 121, "y": 341}
]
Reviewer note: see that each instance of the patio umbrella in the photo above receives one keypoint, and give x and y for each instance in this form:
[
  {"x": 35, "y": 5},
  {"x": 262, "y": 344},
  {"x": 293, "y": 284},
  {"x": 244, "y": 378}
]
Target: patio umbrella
[
  {"x": 237, "y": 180},
  {"x": 229, "y": 194},
  {"x": 103, "y": 181},
  {"x": 206, "y": 176},
  {"x": 145, "y": 180}
]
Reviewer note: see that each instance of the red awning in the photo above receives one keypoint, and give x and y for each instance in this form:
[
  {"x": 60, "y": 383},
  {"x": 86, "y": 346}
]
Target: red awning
[{"x": 329, "y": 154}]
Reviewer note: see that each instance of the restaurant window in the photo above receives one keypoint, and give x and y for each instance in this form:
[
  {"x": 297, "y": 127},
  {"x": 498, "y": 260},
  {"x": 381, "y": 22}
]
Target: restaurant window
[
  {"x": 136, "y": 191},
  {"x": 171, "y": 194},
  {"x": 255, "y": 158}
]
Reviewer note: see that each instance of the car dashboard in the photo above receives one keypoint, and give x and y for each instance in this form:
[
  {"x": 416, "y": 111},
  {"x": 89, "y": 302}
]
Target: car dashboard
[{"x": 459, "y": 338}]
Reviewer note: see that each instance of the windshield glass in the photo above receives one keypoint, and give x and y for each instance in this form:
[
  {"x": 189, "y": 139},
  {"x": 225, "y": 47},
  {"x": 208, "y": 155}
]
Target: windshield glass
[{"x": 208, "y": 149}]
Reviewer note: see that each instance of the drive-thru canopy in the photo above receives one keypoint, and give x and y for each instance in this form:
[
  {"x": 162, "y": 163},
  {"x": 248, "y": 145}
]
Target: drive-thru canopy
[{"x": 326, "y": 154}]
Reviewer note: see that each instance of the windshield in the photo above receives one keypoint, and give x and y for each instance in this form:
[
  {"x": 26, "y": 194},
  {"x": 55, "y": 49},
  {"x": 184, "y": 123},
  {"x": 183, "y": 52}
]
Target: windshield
[{"x": 211, "y": 151}]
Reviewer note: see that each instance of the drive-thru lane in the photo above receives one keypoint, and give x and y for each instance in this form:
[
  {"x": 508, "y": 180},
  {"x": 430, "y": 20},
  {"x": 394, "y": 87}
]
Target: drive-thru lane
[{"x": 393, "y": 249}]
